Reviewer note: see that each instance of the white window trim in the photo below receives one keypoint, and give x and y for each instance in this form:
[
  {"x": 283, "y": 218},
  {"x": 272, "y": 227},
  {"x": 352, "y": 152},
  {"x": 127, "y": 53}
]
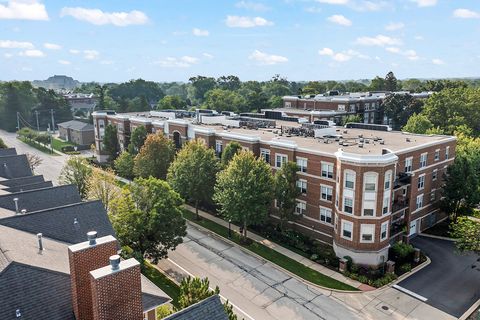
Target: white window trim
[
  {"x": 387, "y": 231},
  {"x": 331, "y": 216},
  {"x": 306, "y": 165},
  {"x": 437, "y": 152},
  {"x": 426, "y": 160},
  {"x": 436, "y": 174},
  {"x": 300, "y": 201},
  {"x": 328, "y": 164},
  {"x": 418, "y": 181},
  {"x": 434, "y": 192},
  {"x": 388, "y": 172},
  {"x": 280, "y": 155},
  {"x": 326, "y": 186},
  {"x": 345, "y": 172},
  {"x": 302, "y": 181},
  {"x": 361, "y": 233},
  {"x": 416, "y": 202},
  {"x": 353, "y": 206},
  {"x": 411, "y": 164},
  {"x": 447, "y": 153},
  {"x": 341, "y": 229},
  {"x": 373, "y": 174}
]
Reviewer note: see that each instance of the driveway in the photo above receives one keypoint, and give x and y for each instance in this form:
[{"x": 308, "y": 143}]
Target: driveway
[{"x": 451, "y": 282}]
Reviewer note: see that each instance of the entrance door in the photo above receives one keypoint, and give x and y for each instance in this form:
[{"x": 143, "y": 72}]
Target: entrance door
[{"x": 413, "y": 227}]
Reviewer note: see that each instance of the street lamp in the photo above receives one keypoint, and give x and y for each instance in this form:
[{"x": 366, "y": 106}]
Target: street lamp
[{"x": 229, "y": 229}]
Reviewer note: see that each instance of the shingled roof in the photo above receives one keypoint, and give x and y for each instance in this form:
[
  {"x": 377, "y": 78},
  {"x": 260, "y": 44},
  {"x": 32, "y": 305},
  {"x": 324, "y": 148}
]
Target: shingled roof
[
  {"x": 59, "y": 223},
  {"x": 27, "y": 187},
  {"x": 39, "y": 199},
  {"x": 76, "y": 125},
  {"x": 15, "y": 166},
  {"x": 8, "y": 152},
  {"x": 22, "y": 181},
  {"x": 210, "y": 308}
]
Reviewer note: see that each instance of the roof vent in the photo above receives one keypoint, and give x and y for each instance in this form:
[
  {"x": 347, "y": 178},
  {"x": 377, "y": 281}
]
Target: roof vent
[
  {"x": 16, "y": 205},
  {"x": 92, "y": 237},
  {"x": 115, "y": 262},
  {"x": 18, "y": 313},
  {"x": 75, "y": 223},
  {"x": 407, "y": 139},
  {"x": 24, "y": 211},
  {"x": 40, "y": 242}
]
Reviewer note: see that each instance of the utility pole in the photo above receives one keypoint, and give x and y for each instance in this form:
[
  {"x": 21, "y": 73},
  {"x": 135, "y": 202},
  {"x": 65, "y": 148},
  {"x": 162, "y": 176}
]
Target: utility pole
[
  {"x": 18, "y": 120},
  {"x": 53, "y": 121},
  {"x": 36, "y": 115}
]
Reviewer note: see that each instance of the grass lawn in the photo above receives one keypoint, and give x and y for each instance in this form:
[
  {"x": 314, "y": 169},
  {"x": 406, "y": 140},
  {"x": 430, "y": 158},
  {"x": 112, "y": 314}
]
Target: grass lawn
[
  {"x": 37, "y": 146},
  {"x": 58, "y": 144},
  {"x": 163, "y": 282},
  {"x": 273, "y": 256}
]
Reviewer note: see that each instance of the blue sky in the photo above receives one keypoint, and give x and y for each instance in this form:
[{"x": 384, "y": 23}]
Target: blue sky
[{"x": 299, "y": 39}]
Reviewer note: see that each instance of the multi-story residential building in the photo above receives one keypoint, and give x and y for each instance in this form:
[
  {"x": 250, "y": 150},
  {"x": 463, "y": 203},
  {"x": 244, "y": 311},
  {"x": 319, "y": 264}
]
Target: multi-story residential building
[
  {"x": 84, "y": 102},
  {"x": 363, "y": 187}
]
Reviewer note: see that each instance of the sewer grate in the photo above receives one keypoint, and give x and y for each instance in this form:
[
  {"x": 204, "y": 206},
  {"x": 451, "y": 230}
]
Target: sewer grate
[{"x": 385, "y": 308}]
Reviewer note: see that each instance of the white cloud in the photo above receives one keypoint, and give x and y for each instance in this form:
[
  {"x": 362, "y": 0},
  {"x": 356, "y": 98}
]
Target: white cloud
[
  {"x": 394, "y": 26},
  {"x": 418, "y": 38},
  {"x": 52, "y": 46},
  {"x": 466, "y": 14},
  {"x": 74, "y": 51},
  {"x": 254, "y": 6},
  {"x": 208, "y": 55},
  {"x": 425, "y": 3},
  {"x": 9, "y": 44},
  {"x": 379, "y": 40},
  {"x": 246, "y": 22},
  {"x": 313, "y": 9},
  {"x": 357, "y": 54},
  {"x": 200, "y": 33},
  {"x": 64, "y": 62},
  {"x": 393, "y": 49},
  {"x": 325, "y": 52},
  {"x": 266, "y": 59},
  {"x": 106, "y": 62},
  {"x": 28, "y": 69},
  {"x": 90, "y": 54},
  {"x": 438, "y": 61},
  {"x": 98, "y": 17},
  {"x": 8, "y": 55},
  {"x": 333, "y": 1},
  {"x": 23, "y": 10},
  {"x": 359, "y": 5},
  {"x": 341, "y": 57},
  {"x": 339, "y": 19},
  {"x": 182, "y": 62},
  {"x": 34, "y": 53},
  {"x": 409, "y": 54}
]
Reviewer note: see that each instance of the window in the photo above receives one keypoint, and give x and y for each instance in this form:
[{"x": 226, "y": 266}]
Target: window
[
  {"x": 347, "y": 229},
  {"x": 437, "y": 154},
  {"x": 421, "y": 182},
  {"x": 326, "y": 193},
  {"x": 327, "y": 170},
  {"x": 367, "y": 232},
  {"x": 326, "y": 215},
  {"x": 423, "y": 160},
  {"x": 384, "y": 230},
  {"x": 434, "y": 174},
  {"x": 370, "y": 182},
  {"x": 218, "y": 147},
  {"x": 301, "y": 208},
  {"x": 419, "y": 202},
  {"x": 388, "y": 180},
  {"x": 408, "y": 164},
  {"x": 302, "y": 185},
  {"x": 433, "y": 195},
  {"x": 335, "y": 223},
  {"x": 349, "y": 180},
  {"x": 302, "y": 164},
  {"x": 265, "y": 155},
  {"x": 348, "y": 205},
  {"x": 447, "y": 153},
  {"x": 386, "y": 204},
  {"x": 369, "y": 208},
  {"x": 341, "y": 107},
  {"x": 280, "y": 159}
]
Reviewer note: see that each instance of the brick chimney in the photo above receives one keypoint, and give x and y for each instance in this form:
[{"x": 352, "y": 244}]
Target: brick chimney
[
  {"x": 83, "y": 258},
  {"x": 117, "y": 290}
]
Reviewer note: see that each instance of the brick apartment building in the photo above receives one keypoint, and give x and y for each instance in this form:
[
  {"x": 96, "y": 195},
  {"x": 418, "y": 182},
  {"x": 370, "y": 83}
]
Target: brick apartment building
[
  {"x": 362, "y": 187},
  {"x": 335, "y": 106}
]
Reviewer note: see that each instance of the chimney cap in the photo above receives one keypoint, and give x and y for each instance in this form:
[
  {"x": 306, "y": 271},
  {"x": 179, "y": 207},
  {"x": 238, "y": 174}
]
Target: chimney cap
[
  {"x": 24, "y": 211},
  {"x": 15, "y": 199},
  {"x": 39, "y": 235},
  {"x": 92, "y": 236},
  {"x": 115, "y": 262}
]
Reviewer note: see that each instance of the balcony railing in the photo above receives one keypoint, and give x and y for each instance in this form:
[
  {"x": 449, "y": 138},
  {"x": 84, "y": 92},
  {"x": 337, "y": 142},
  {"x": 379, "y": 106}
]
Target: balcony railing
[
  {"x": 402, "y": 179},
  {"x": 400, "y": 203}
]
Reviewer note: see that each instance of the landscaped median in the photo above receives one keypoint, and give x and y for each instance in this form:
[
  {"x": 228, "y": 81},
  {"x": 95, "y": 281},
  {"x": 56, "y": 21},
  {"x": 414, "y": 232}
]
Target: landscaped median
[{"x": 273, "y": 256}]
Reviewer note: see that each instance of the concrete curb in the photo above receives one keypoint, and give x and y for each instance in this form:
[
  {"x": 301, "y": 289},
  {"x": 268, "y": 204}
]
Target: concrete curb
[
  {"x": 411, "y": 272},
  {"x": 470, "y": 310},
  {"x": 273, "y": 263}
]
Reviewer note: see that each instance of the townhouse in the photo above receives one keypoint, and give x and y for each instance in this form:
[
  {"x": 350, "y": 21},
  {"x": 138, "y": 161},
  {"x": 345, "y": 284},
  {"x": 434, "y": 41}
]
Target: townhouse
[{"x": 362, "y": 186}]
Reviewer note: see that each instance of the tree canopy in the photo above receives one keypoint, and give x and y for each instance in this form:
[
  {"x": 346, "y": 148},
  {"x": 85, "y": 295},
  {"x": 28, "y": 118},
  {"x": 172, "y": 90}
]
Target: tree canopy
[
  {"x": 76, "y": 171},
  {"x": 286, "y": 191},
  {"x": 124, "y": 165},
  {"x": 110, "y": 142},
  {"x": 231, "y": 149},
  {"x": 154, "y": 157},
  {"x": 137, "y": 139}
]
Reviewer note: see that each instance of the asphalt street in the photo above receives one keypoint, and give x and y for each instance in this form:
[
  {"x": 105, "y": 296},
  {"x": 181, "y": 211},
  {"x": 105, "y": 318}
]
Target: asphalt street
[{"x": 450, "y": 281}]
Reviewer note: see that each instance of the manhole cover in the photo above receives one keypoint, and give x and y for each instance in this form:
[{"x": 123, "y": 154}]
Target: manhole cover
[{"x": 384, "y": 307}]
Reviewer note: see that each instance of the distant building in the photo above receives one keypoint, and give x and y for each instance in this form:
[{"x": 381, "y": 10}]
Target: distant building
[
  {"x": 78, "y": 132},
  {"x": 57, "y": 82},
  {"x": 363, "y": 186},
  {"x": 84, "y": 102}
]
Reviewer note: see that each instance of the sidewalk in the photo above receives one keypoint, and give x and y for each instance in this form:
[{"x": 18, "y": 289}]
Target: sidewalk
[{"x": 301, "y": 259}]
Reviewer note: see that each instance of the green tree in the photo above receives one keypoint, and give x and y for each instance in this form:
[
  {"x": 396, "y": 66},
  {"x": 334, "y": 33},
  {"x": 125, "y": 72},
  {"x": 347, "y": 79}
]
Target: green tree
[
  {"x": 231, "y": 83},
  {"x": 137, "y": 139},
  {"x": 466, "y": 230},
  {"x": 418, "y": 123},
  {"x": 193, "y": 290},
  {"x": 110, "y": 142},
  {"x": 171, "y": 102},
  {"x": 399, "y": 107},
  {"x": 101, "y": 90},
  {"x": 353, "y": 118},
  {"x": 391, "y": 82},
  {"x": 314, "y": 87},
  {"x": 132, "y": 89},
  {"x": 102, "y": 185},
  {"x": 192, "y": 173},
  {"x": 224, "y": 100},
  {"x": 147, "y": 217},
  {"x": 244, "y": 190},
  {"x": 377, "y": 84},
  {"x": 255, "y": 98},
  {"x": 76, "y": 171},
  {"x": 275, "y": 102},
  {"x": 200, "y": 86},
  {"x": 286, "y": 191},
  {"x": 154, "y": 157},
  {"x": 16, "y": 97},
  {"x": 124, "y": 165},
  {"x": 230, "y": 151}
]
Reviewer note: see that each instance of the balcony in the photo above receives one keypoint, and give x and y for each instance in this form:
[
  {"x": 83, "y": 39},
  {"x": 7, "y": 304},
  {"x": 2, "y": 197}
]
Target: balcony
[
  {"x": 401, "y": 203},
  {"x": 403, "y": 179}
]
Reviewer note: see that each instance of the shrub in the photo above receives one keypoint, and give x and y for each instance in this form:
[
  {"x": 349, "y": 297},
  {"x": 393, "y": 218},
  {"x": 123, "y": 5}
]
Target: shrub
[
  {"x": 349, "y": 262},
  {"x": 386, "y": 279},
  {"x": 66, "y": 149},
  {"x": 314, "y": 257},
  {"x": 406, "y": 267},
  {"x": 401, "y": 252}
]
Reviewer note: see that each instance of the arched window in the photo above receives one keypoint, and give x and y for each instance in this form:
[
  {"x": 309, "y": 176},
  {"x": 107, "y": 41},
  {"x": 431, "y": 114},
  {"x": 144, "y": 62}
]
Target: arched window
[{"x": 177, "y": 139}]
